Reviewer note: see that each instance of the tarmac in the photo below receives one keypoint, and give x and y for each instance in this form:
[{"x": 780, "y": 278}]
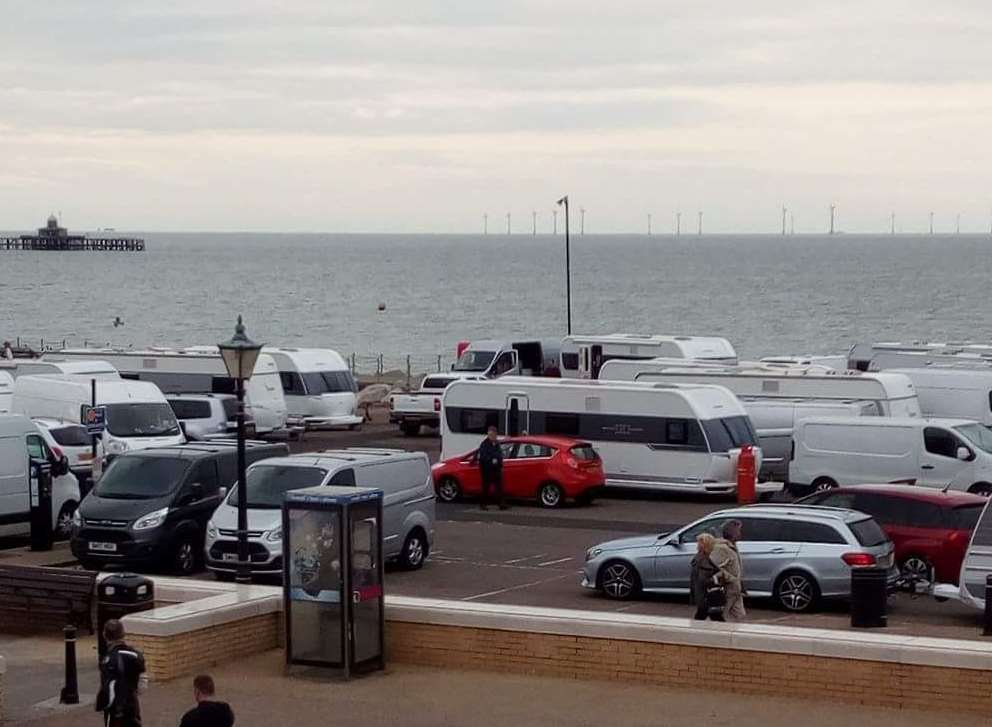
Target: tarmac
[{"x": 262, "y": 695}]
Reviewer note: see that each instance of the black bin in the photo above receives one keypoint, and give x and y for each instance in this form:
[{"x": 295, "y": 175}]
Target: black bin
[
  {"x": 869, "y": 594},
  {"x": 120, "y": 594}
]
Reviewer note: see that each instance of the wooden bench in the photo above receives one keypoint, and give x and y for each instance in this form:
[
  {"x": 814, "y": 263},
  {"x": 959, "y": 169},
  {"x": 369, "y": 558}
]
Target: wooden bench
[{"x": 47, "y": 596}]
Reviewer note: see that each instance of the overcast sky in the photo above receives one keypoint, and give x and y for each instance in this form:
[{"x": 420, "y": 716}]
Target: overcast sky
[{"x": 419, "y": 116}]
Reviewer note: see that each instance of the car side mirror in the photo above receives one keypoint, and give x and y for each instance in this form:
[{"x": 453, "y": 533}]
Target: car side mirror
[{"x": 964, "y": 454}]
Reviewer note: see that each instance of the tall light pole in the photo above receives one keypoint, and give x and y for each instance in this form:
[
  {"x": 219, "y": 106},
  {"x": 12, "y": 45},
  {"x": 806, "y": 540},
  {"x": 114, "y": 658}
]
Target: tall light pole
[
  {"x": 240, "y": 355},
  {"x": 568, "y": 271}
]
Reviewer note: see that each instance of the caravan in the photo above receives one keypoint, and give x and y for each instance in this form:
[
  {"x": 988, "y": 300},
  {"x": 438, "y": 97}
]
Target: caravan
[
  {"x": 582, "y": 357},
  {"x": 892, "y": 394},
  {"x": 90, "y": 368},
  {"x": 654, "y": 436},
  {"x": 6, "y": 392},
  {"x": 977, "y": 566},
  {"x": 319, "y": 388},
  {"x": 951, "y": 391},
  {"x": 886, "y": 355},
  {"x": 195, "y": 370}
]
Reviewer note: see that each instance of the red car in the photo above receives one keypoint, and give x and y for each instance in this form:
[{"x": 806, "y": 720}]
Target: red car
[
  {"x": 549, "y": 469},
  {"x": 930, "y": 528}
]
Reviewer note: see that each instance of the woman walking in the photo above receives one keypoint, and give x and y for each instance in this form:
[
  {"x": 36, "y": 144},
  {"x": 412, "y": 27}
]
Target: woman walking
[{"x": 705, "y": 589}]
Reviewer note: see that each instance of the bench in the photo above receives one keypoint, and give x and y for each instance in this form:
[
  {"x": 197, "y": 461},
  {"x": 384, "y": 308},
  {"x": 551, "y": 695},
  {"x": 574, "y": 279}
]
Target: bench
[{"x": 47, "y": 596}]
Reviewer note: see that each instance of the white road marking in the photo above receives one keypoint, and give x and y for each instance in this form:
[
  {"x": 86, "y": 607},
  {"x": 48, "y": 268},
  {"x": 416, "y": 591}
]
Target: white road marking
[
  {"x": 516, "y": 588},
  {"x": 528, "y": 557},
  {"x": 554, "y": 562}
]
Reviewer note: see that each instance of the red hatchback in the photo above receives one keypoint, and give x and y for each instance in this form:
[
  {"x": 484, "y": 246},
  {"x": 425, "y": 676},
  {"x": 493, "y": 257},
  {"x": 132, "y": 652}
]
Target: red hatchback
[
  {"x": 549, "y": 469},
  {"x": 930, "y": 528}
]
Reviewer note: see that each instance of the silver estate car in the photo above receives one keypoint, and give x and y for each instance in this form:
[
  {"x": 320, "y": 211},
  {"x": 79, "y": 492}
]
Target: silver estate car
[{"x": 793, "y": 554}]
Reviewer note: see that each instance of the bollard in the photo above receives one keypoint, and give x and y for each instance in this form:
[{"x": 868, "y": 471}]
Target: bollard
[
  {"x": 988, "y": 606},
  {"x": 70, "y": 692}
]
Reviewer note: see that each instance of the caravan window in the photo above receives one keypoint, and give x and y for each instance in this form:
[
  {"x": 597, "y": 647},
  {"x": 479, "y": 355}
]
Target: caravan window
[
  {"x": 292, "y": 383},
  {"x": 570, "y": 362},
  {"x": 564, "y": 424},
  {"x": 729, "y": 432},
  {"x": 471, "y": 421},
  {"x": 328, "y": 382}
]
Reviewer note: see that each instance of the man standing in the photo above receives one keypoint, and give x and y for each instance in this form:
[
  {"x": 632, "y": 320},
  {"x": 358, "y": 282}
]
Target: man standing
[
  {"x": 491, "y": 468},
  {"x": 727, "y": 559},
  {"x": 208, "y": 712},
  {"x": 121, "y": 670}
]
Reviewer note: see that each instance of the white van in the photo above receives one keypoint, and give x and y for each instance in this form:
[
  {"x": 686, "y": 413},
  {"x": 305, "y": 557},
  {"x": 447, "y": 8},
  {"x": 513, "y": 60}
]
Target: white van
[
  {"x": 91, "y": 368},
  {"x": 654, "y": 436},
  {"x": 583, "y": 356},
  {"x": 6, "y": 392},
  {"x": 977, "y": 564},
  {"x": 893, "y": 394},
  {"x": 955, "y": 453},
  {"x": 195, "y": 370},
  {"x": 775, "y": 419},
  {"x": 952, "y": 392},
  {"x": 20, "y": 442},
  {"x": 319, "y": 388},
  {"x": 138, "y": 416},
  {"x": 890, "y": 354},
  {"x": 408, "y": 504}
]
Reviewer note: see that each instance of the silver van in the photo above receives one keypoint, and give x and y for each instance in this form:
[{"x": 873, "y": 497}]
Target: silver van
[{"x": 408, "y": 504}]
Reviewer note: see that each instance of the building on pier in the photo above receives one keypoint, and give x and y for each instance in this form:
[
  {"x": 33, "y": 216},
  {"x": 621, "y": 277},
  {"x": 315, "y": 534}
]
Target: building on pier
[{"x": 54, "y": 237}]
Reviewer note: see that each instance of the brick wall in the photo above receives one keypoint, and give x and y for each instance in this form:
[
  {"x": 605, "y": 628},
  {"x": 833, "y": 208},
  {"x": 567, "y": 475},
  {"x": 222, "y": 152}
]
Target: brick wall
[
  {"x": 751, "y": 672},
  {"x": 168, "y": 657}
]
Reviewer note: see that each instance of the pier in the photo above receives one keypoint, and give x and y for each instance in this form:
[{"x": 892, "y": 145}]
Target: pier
[{"x": 54, "y": 237}]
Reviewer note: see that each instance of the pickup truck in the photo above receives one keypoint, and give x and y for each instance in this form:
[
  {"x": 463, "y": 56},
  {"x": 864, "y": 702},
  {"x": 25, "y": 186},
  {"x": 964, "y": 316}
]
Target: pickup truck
[{"x": 423, "y": 407}]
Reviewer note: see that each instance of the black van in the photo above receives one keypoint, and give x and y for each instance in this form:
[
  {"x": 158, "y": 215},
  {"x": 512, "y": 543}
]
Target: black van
[{"x": 151, "y": 506}]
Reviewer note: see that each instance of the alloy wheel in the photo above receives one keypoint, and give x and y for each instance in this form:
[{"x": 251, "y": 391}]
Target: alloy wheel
[
  {"x": 63, "y": 526},
  {"x": 796, "y": 592},
  {"x": 185, "y": 557},
  {"x": 414, "y": 551},
  {"x": 550, "y": 495},
  {"x": 447, "y": 490},
  {"x": 619, "y": 581},
  {"x": 916, "y": 569}
]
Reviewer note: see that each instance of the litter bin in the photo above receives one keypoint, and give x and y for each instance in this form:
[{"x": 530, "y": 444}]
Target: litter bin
[
  {"x": 869, "y": 594},
  {"x": 118, "y": 595}
]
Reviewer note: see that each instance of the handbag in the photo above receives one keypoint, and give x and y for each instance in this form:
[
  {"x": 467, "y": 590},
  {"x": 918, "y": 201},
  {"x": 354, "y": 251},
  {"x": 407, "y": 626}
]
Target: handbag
[{"x": 716, "y": 598}]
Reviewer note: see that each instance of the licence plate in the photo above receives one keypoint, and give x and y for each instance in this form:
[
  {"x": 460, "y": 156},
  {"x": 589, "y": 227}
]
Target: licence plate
[
  {"x": 232, "y": 557},
  {"x": 104, "y": 547}
]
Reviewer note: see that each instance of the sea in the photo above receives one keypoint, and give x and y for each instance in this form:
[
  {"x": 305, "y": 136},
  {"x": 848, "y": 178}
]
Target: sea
[{"x": 418, "y": 295}]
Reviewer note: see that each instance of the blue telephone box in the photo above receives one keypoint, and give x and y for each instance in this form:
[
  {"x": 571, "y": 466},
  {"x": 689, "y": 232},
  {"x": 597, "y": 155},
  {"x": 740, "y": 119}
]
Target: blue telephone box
[{"x": 332, "y": 578}]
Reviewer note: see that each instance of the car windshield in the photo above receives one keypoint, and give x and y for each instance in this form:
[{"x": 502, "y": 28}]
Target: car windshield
[
  {"x": 268, "y": 483},
  {"x": 977, "y": 434},
  {"x": 329, "y": 382},
  {"x": 474, "y": 361},
  {"x": 72, "y": 436},
  {"x": 141, "y": 420},
  {"x": 136, "y": 477},
  {"x": 868, "y": 533}
]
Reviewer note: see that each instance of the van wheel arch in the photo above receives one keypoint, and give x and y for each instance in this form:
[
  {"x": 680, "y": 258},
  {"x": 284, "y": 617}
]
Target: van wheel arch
[
  {"x": 823, "y": 484},
  {"x": 981, "y": 488}
]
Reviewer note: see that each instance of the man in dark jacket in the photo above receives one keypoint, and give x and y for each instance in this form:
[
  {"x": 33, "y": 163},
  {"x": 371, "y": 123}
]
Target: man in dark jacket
[
  {"x": 121, "y": 670},
  {"x": 491, "y": 468},
  {"x": 208, "y": 712}
]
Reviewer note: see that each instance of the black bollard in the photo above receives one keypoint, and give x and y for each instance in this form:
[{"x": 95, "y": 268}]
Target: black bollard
[
  {"x": 70, "y": 692},
  {"x": 988, "y": 606}
]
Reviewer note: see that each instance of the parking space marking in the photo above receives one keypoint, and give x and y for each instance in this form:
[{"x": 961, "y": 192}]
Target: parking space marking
[
  {"x": 553, "y": 562},
  {"x": 527, "y": 557},
  {"x": 516, "y": 588}
]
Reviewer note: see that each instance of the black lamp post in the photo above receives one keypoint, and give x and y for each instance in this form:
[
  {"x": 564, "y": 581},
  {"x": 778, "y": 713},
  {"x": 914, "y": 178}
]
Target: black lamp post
[
  {"x": 568, "y": 269},
  {"x": 240, "y": 355}
]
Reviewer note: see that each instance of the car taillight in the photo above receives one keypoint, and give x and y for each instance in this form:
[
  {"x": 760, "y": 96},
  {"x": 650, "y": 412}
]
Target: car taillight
[
  {"x": 437, "y": 405},
  {"x": 858, "y": 560}
]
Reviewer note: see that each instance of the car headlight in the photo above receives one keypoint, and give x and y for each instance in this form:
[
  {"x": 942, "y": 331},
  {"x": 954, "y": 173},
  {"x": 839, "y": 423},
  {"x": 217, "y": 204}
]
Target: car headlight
[
  {"x": 77, "y": 519},
  {"x": 151, "y": 520},
  {"x": 274, "y": 536},
  {"x": 593, "y": 552},
  {"x": 116, "y": 446},
  {"x": 211, "y": 530}
]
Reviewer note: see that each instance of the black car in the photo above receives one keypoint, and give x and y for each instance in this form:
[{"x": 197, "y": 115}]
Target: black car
[{"x": 151, "y": 507}]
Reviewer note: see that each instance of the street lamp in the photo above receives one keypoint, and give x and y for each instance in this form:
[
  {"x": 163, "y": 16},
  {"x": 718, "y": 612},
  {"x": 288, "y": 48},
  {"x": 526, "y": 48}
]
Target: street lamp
[
  {"x": 568, "y": 269},
  {"x": 240, "y": 355}
]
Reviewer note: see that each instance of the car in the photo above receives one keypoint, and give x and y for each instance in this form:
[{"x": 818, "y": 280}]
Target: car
[
  {"x": 794, "y": 554},
  {"x": 70, "y": 439},
  {"x": 930, "y": 528},
  {"x": 550, "y": 469},
  {"x": 203, "y": 416}
]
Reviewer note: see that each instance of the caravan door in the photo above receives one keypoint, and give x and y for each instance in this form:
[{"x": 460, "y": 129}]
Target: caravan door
[
  {"x": 517, "y": 415},
  {"x": 590, "y": 361}
]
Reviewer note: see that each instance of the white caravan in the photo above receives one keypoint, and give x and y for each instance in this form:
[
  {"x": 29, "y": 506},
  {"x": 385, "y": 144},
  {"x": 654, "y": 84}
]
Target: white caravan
[
  {"x": 890, "y": 354},
  {"x": 654, "y": 436},
  {"x": 319, "y": 388},
  {"x": 138, "y": 416},
  {"x": 6, "y": 392},
  {"x": 775, "y": 419},
  {"x": 20, "y": 442},
  {"x": 837, "y": 362},
  {"x": 954, "y": 453},
  {"x": 893, "y": 394},
  {"x": 582, "y": 357},
  {"x": 952, "y": 392},
  {"x": 195, "y": 370},
  {"x": 976, "y": 566},
  {"x": 91, "y": 368}
]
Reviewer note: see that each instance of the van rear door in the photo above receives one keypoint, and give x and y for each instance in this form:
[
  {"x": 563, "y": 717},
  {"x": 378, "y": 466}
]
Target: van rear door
[{"x": 14, "y": 508}]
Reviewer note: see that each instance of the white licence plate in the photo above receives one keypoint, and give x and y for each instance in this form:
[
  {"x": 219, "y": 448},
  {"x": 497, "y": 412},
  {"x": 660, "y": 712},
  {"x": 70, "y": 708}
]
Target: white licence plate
[
  {"x": 229, "y": 556},
  {"x": 104, "y": 547}
]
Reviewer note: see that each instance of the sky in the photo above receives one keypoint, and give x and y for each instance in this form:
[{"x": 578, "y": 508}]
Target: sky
[{"x": 422, "y": 116}]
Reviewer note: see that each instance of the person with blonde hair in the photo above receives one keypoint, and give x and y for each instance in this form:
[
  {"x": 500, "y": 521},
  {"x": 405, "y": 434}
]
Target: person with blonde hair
[{"x": 705, "y": 589}]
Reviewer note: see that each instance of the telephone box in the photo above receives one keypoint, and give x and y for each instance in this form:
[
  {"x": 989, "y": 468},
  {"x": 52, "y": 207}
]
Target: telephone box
[{"x": 332, "y": 578}]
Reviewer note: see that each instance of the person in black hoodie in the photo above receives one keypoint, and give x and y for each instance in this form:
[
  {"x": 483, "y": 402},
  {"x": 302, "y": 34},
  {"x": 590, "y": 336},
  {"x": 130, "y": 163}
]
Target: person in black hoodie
[
  {"x": 121, "y": 677},
  {"x": 491, "y": 468},
  {"x": 208, "y": 712}
]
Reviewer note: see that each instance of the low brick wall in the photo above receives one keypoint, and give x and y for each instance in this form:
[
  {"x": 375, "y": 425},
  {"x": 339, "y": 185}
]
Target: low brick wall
[{"x": 175, "y": 655}]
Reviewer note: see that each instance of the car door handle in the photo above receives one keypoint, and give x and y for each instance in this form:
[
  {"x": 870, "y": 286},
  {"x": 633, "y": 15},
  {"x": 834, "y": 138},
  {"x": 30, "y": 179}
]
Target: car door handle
[
  {"x": 927, "y": 467},
  {"x": 778, "y": 550}
]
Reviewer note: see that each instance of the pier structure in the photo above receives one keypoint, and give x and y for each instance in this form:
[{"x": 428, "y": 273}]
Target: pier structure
[{"x": 54, "y": 237}]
